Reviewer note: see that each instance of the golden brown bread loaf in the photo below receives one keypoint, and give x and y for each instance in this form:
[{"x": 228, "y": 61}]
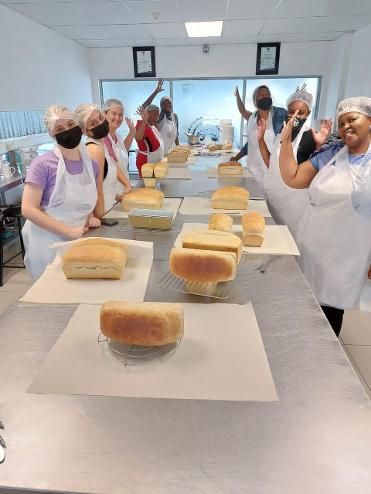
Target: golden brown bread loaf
[
  {"x": 147, "y": 170},
  {"x": 253, "y": 226},
  {"x": 204, "y": 266},
  {"x": 230, "y": 197},
  {"x": 101, "y": 241},
  {"x": 213, "y": 240},
  {"x": 227, "y": 146},
  {"x": 143, "y": 198},
  {"x": 230, "y": 168},
  {"x": 177, "y": 156},
  {"x": 94, "y": 261},
  {"x": 142, "y": 323},
  {"x": 220, "y": 221},
  {"x": 214, "y": 147},
  {"x": 161, "y": 170}
]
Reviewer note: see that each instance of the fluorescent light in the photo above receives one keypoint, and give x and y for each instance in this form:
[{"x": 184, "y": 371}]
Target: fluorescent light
[{"x": 204, "y": 29}]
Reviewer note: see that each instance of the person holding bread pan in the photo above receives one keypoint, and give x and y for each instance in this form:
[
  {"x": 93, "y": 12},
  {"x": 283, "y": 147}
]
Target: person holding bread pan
[
  {"x": 334, "y": 236},
  {"x": 267, "y": 117},
  {"x": 286, "y": 204},
  {"x": 95, "y": 126},
  {"x": 148, "y": 137},
  {"x": 60, "y": 193}
]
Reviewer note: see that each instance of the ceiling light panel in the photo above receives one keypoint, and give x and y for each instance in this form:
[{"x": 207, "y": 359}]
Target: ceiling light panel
[{"x": 204, "y": 29}]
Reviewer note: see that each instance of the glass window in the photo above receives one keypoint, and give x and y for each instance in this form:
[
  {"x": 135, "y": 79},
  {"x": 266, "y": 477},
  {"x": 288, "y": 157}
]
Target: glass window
[{"x": 200, "y": 104}]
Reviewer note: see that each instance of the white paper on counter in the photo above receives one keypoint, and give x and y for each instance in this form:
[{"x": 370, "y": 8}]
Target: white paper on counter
[
  {"x": 53, "y": 287},
  {"x": 215, "y": 360},
  {"x": 365, "y": 302},
  {"x": 170, "y": 204},
  {"x": 277, "y": 239},
  {"x": 178, "y": 173},
  {"x": 212, "y": 172},
  {"x": 202, "y": 205}
]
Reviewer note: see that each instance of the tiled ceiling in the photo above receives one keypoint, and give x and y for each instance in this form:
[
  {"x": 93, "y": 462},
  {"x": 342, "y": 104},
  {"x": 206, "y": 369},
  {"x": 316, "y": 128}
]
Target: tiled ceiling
[{"x": 115, "y": 23}]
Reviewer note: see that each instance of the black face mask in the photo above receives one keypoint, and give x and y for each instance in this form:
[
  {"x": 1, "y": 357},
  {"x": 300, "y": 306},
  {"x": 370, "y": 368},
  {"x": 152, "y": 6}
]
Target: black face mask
[
  {"x": 100, "y": 130},
  {"x": 70, "y": 138},
  {"x": 264, "y": 103}
]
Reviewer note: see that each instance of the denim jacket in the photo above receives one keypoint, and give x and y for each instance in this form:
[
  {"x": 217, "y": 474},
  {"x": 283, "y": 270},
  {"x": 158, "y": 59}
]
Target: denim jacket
[{"x": 278, "y": 117}]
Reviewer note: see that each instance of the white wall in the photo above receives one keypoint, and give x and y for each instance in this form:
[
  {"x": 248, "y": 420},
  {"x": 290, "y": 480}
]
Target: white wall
[
  {"x": 297, "y": 59},
  {"x": 358, "y": 73},
  {"x": 39, "y": 67}
]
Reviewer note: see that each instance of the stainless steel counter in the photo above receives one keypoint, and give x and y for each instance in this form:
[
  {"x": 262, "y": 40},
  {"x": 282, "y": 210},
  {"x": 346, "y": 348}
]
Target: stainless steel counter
[{"x": 315, "y": 439}]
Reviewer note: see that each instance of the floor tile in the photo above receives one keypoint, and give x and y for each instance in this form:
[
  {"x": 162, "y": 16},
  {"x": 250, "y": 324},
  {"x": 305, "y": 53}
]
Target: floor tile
[
  {"x": 6, "y": 299},
  {"x": 356, "y": 328}
]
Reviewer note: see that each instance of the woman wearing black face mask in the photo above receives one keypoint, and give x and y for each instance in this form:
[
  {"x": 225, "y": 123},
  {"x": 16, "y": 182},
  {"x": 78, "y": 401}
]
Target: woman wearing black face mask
[
  {"x": 262, "y": 127},
  {"x": 60, "y": 194},
  {"x": 168, "y": 123},
  {"x": 94, "y": 125},
  {"x": 287, "y": 205}
]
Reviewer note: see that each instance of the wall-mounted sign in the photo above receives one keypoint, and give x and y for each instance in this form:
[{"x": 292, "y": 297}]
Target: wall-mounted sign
[
  {"x": 268, "y": 58},
  {"x": 144, "y": 61}
]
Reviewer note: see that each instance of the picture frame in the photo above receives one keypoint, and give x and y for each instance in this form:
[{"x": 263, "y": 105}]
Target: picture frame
[
  {"x": 267, "y": 58},
  {"x": 144, "y": 61}
]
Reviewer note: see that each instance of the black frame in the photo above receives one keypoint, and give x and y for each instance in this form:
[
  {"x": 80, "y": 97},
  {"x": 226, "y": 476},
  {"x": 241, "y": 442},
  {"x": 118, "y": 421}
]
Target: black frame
[
  {"x": 273, "y": 71},
  {"x": 151, "y": 73}
]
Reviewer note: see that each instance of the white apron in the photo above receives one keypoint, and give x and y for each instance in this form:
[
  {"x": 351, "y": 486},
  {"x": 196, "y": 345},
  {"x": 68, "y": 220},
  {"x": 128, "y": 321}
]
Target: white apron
[
  {"x": 73, "y": 198},
  {"x": 334, "y": 239},
  {"x": 286, "y": 204},
  {"x": 255, "y": 160},
  {"x": 155, "y": 156},
  {"x": 169, "y": 134},
  {"x": 110, "y": 182},
  {"x": 122, "y": 160}
]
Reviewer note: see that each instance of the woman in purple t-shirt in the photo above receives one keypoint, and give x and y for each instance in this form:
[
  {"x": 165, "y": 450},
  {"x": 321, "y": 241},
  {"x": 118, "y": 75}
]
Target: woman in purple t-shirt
[{"x": 60, "y": 193}]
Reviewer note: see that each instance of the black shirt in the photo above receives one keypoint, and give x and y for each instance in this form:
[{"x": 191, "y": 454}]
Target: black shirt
[{"x": 306, "y": 147}]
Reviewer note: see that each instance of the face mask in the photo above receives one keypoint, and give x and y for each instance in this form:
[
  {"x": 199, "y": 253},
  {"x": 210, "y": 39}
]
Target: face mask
[
  {"x": 70, "y": 138},
  {"x": 100, "y": 130},
  {"x": 264, "y": 103}
]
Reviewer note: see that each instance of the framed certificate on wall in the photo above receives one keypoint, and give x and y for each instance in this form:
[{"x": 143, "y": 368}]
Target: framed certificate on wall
[
  {"x": 268, "y": 58},
  {"x": 144, "y": 61}
]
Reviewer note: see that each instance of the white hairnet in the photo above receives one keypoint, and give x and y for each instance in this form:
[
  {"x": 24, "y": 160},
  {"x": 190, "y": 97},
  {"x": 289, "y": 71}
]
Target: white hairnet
[
  {"x": 360, "y": 104},
  {"x": 83, "y": 112},
  {"x": 55, "y": 113},
  {"x": 301, "y": 94},
  {"x": 257, "y": 89},
  {"x": 165, "y": 98},
  {"x": 152, "y": 108},
  {"x": 110, "y": 102}
]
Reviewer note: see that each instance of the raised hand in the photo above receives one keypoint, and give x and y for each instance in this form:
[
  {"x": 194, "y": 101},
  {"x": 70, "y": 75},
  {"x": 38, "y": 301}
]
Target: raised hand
[
  {"x": 321, "y": 137},
  {"x": 159, "y": 86},
  {"x": 130, "y": 123},
  {"x": 142, "y": 113},
  {"x": 287, "y": 129}
]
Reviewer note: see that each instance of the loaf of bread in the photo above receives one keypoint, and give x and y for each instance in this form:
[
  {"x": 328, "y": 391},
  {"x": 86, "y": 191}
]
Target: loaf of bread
[
  {"x": 177, "y": 157},
  {"x": 161, "y": 170},
  {"x": 230, "y": 168},
  {"x": 149, "y": 182},
  {"x": 204, "y": 266},
  {"x": 213, "y": 240},
  {"x": 214, "y": 147},
  {"x": 94, "y": 261},
  {"x": 220, "y": 221},
  {"x": 227, "y": 146},
  {"x": 230, "y": 197},
  {"x": 101, "y": 241},
  {"x": 142, "y": 323},
  {"x": 143, "y": 198},
  {"x": 253, "y": 226},
  {"x": 147, "y": 170}
]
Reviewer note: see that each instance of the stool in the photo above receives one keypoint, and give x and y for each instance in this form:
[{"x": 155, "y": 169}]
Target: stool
[{"x": 16, "y": 213}]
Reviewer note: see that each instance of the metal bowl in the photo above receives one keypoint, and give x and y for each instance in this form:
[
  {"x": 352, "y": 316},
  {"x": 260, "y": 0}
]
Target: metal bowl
[{"x": 193, "y": 139}]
